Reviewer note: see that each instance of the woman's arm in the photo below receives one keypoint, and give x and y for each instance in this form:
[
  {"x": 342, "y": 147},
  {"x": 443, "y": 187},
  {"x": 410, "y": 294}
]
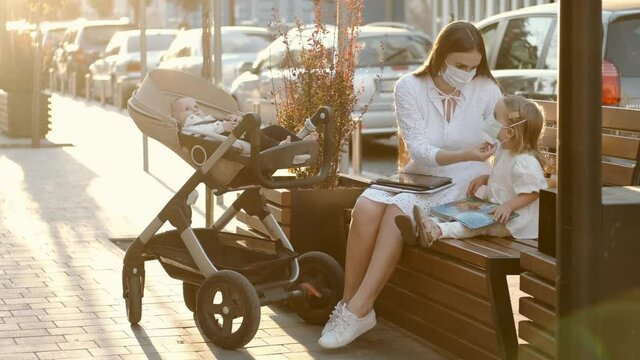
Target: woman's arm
[{"x": 480, "y": 152}]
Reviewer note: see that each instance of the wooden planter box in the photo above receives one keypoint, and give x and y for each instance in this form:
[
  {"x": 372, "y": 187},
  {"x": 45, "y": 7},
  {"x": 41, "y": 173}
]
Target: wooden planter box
[{"x": 312, "y": 219}]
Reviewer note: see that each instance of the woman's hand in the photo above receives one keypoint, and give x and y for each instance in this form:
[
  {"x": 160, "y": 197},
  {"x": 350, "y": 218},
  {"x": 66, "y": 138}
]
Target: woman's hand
[
  {"x": 476, "y": 183},
  {"x": 501, "y": 213},
  {"x": 480, "y": 152}
]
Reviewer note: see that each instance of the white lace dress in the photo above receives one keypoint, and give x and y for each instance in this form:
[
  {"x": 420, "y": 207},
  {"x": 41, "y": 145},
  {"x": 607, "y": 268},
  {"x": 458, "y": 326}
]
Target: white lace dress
[{"x": 422, "y": 124}]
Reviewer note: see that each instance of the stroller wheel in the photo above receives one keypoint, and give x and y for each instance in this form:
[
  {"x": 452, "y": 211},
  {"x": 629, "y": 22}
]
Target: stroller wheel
[
  {"x": 321, "y": 281},
  {"x": 133, "y": 298},
  {"x": 190, "y": 294},
  {"x": 228, "y": 309}
]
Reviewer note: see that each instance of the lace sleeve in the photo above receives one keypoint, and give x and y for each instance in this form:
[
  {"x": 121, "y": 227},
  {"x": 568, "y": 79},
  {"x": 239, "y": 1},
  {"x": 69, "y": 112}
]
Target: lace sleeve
[{"x": 413, "y": 125}]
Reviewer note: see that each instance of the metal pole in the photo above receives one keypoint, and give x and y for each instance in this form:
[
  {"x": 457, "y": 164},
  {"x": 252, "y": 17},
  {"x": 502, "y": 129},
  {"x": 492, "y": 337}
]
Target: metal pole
[
  {"x": 232, "y": 12},
  {"x": 579, "y": 203},
  {"x": 217, "y": 42},
  {"x": 207, "y": 7},
  {"x": 445, "y": 13},
  {"x": 342, "y": 20},
  {"x": 37, "y": 66},
  {"x": 388, "y": 10},
  {"x": 434, "y": 19},
  {"x": 467, "y": 10},
  {"x": 491, "y": 9},
  {"x": 356, "y": 143},
  {"x": 477, "y": 11},
  {"x": 142, "y": 11}
]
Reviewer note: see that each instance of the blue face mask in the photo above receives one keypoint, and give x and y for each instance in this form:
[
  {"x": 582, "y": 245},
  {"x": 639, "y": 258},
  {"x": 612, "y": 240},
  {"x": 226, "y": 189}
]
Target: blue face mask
[
  {"x": 457, "y": 77},
  {"x": 492, "y": 128}
]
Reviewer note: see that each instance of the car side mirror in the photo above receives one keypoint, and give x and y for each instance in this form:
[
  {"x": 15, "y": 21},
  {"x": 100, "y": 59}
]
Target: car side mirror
[{"x": 246, "y": 66}]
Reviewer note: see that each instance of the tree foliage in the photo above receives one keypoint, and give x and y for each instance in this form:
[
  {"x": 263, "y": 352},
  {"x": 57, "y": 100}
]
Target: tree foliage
[{"x": 104, "y": 8}]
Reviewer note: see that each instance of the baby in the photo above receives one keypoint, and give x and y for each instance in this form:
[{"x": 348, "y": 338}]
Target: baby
[{"x": 186, "y": 111}]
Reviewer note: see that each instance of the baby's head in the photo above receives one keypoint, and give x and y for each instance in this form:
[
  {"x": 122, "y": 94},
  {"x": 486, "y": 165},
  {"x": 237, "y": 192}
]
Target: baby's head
[
  {"x": 184, "y": 107},
  {"x": 521, "y": 123}
]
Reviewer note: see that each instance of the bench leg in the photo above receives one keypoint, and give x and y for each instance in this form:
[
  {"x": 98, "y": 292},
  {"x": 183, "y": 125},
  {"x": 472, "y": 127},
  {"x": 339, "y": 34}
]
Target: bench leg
[{"x": 501, "y": 310}]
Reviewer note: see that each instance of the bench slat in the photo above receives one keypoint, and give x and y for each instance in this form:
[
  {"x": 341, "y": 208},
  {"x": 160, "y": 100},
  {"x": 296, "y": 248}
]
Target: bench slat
[
  {"x": 427, "y": 330},
  {"x": 466, "y": 251},
  {"x": 614, "y": 146},
  {"x": 538, "y": 288},
  {"x": 538, "y": 338},
  {"x": 540, "y": 264},
  {"x": 612, "y": 174},
  {"x": 442, "y": 293},
  {"x": 539, "y": 313},
  {"x": 528, "y": 352},
  {"x": 444, "y": 319},
  {"x": 612, "y": 117},
  {"x": 445, "y": 269}
]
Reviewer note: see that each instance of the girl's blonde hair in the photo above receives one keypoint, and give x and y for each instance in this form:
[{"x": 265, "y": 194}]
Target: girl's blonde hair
[{"x": 529, "y": 118}]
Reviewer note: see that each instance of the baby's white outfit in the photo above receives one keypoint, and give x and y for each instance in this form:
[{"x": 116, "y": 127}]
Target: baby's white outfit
[
  {"x": 205, "y": 125},
  {"x": 421, "y": 120},
  {"x": 512, "y": 174}
]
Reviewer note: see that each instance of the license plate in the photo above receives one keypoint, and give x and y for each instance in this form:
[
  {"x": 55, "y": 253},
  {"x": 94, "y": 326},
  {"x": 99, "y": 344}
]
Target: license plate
[{"x": 386, "y": 85}]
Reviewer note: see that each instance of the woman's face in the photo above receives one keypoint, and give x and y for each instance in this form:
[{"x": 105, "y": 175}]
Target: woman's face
[{"x": 466, "y": 61}]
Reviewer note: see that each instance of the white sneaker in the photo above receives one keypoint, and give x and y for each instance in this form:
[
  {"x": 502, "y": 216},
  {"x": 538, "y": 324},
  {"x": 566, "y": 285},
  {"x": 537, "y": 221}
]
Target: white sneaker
[
  {"x": 337, "y": 311},
  {"x": 348, "y": 328}
]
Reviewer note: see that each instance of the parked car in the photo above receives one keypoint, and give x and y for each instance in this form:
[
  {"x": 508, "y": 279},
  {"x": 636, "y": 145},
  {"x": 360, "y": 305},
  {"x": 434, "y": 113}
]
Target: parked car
[
  {"x": 239, "y": 44},
  {"x": 120, "y": 62},
  {"x": 522, "y": 49},
  {"x": 386, "y": 53},
  {"x": 82, "y": 43}
]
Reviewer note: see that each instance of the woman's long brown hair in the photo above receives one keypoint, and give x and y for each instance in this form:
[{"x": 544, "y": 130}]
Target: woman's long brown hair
[{"x": 458, "y": 36}]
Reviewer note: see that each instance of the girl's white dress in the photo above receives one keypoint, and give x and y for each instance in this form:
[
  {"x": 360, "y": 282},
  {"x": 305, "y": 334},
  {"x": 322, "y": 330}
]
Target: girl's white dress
[
  {"x": 513, "y": 175},
  {"x": 422, "y": 124}
]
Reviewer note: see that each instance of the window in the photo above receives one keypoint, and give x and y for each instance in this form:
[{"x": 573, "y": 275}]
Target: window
[
  {"x": 551, "y": 62},
  {"x": 387, "y": 50},
  {"x": 523, "y": 42},
  {"x": 489, "y": 37},
  {"x": 623, "y": 45}
]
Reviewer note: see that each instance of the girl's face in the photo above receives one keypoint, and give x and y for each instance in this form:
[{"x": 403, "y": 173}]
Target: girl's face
[{"x": 502, "y": 116}]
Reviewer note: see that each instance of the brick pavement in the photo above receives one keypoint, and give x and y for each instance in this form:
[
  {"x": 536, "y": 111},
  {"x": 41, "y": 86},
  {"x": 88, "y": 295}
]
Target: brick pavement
[{"x": 60, "y": 291}]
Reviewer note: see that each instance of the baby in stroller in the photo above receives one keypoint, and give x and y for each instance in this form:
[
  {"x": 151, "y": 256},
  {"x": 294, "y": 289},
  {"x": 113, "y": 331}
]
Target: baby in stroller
[{"x": 186, "y": 111}]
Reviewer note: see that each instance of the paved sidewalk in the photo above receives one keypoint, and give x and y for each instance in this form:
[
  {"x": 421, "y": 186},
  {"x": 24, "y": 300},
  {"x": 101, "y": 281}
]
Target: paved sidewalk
[{"x": 60, "y": 289}]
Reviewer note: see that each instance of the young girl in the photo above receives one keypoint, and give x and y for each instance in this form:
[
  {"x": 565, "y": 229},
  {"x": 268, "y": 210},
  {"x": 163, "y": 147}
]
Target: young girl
[{"x": 514, "y": 183}]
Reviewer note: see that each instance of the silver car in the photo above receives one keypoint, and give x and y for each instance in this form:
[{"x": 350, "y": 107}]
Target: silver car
[
  {"x": 386, "y": 53},
  {"x": 239, "y": 44},
  {"x": 522, "y": 49},
  {"x": 120, "y": 63}
]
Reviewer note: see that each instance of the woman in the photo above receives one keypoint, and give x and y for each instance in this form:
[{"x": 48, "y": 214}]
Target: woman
[{"x": 440, "y": 110}]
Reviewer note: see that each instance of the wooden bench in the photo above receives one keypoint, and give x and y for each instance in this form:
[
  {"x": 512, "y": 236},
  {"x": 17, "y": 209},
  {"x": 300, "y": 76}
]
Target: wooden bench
[
  {"x": 455, "y": 294},
  {"x": 620, "y": 147}
]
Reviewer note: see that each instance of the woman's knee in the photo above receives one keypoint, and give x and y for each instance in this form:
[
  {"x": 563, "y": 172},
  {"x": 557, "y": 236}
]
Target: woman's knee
[{"x": 367, "y": 211}]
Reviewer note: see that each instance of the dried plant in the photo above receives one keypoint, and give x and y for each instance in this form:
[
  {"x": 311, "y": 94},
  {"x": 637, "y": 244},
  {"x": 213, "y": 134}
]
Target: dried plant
[{"x": 317, "y": 73}]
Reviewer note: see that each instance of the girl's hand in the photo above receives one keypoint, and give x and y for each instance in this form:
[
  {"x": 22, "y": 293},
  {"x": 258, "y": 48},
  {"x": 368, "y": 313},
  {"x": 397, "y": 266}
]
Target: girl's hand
[
  {"x": 501, "y": 213},
  {"x": 476, "y": 183},
  {"x": 229, "y": 125},
  {"x": 481, "y": 152}
]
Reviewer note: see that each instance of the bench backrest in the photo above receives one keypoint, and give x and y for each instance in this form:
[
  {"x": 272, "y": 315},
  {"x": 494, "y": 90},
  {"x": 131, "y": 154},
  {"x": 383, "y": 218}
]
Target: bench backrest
[{"x": 620, "y": 142}]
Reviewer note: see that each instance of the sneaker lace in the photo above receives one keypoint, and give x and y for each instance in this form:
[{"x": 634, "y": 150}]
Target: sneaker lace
[
  {"x": 335, "y": 314},
  {"x": 342, "y": 323}
]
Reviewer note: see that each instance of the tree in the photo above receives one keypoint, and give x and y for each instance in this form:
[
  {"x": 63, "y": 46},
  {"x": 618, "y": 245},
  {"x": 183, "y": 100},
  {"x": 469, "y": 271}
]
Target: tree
[
  {"x": 135, "y": 4},
  {"x": 187, "y": 6},
  {"x": 104, "y": 8}
]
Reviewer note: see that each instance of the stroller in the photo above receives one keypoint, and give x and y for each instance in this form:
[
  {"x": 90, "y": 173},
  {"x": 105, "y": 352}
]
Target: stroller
[{"x": 226, "y": 276}]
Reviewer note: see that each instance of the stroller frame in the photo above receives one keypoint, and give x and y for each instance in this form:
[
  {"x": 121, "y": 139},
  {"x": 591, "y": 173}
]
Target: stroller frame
[{"x": 205, "y": 275}]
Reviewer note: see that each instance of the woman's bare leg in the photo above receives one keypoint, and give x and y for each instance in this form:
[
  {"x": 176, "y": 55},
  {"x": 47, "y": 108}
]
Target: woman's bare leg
[
  {"x": 366, "y": 217},
  {"x": 385, "y": 257}
]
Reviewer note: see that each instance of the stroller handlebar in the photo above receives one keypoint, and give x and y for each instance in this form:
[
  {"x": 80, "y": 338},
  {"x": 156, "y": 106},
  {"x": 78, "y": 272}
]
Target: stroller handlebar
[{"x": 250, "y": 125}]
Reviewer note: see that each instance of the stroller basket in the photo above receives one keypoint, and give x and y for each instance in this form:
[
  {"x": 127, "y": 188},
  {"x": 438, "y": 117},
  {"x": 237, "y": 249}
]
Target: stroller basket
[{"x": 259, "y": 260}]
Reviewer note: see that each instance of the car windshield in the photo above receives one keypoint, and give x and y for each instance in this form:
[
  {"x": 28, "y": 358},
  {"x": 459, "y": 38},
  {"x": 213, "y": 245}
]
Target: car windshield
[
  {"x": 392, "y": 50},
  {"x": 236, "y": 42},
  {"x": 623, "y": 42},
  {"x": 156, "y": 42},
  {"x": 97, "y": 37}
]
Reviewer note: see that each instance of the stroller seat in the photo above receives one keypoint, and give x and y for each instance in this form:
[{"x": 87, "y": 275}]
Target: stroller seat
[{"x": 150, "y": 108}]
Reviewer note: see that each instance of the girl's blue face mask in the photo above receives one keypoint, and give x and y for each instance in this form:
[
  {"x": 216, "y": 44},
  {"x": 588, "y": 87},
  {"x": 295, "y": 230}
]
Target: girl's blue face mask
[{"x": 492, "y": 128}]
